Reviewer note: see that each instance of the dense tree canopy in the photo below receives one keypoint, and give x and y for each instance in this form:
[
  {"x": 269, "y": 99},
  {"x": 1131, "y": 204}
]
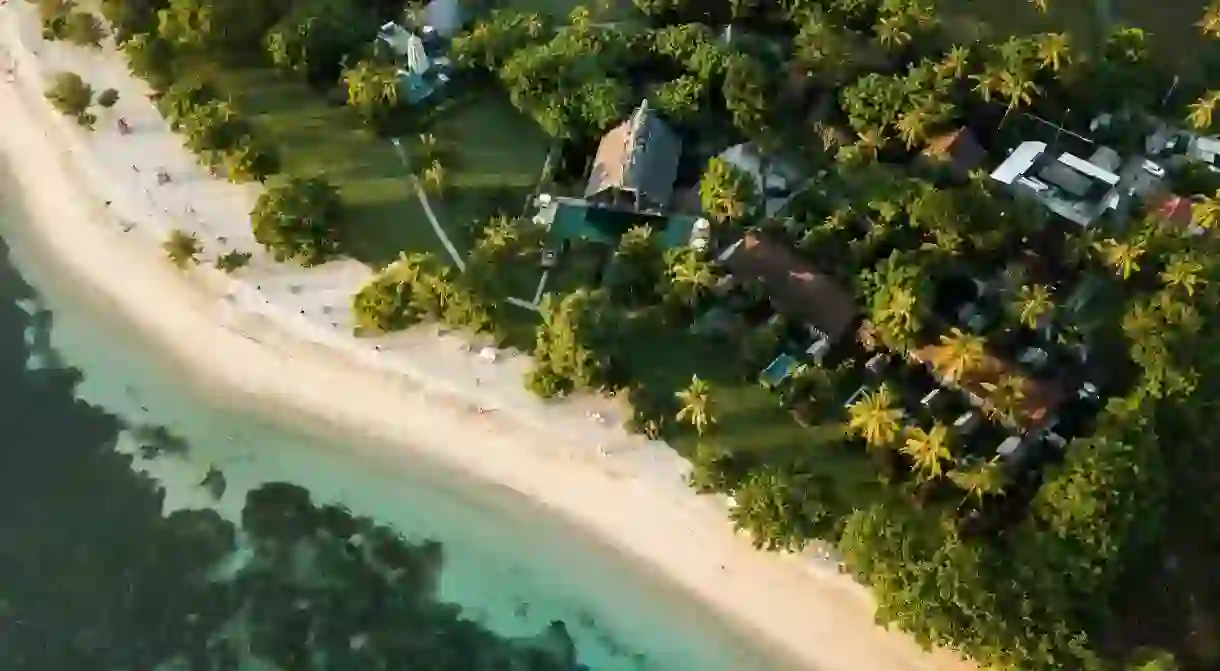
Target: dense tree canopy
[{"x": 299, "y": 219}]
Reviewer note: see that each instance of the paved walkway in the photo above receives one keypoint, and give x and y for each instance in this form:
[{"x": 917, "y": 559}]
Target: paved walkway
[{"x": 423, "y": 200}]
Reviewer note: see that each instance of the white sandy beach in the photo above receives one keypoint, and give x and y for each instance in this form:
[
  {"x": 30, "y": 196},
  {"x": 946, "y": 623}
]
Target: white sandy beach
[{"x": 278, "y": 336}]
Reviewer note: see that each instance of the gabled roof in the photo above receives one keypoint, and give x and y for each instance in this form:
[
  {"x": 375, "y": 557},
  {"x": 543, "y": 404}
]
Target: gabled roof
[
  {"x": 794, "y": 286},
  {"x": 639, "y": 156},
  {"x": 1018, "y": 162},
  {"x": 959, "y": 149}
]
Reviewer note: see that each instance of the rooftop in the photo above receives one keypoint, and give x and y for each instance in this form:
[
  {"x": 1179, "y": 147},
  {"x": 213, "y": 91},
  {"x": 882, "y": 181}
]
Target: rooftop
[
  {"x": 639, "y": 157},
  {"x": 794, "y": 286}
]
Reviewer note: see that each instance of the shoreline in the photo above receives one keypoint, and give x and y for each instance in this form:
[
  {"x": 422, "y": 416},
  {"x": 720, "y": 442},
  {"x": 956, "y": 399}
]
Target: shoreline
[{"x": 416, "y": 393}]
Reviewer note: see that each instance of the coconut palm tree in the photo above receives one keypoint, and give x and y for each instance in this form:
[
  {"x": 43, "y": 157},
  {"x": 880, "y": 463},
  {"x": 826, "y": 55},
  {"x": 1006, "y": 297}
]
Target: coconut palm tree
[
  {"x": 370, "y": 86},
  {"x": 928, "y": 450},
  {"x": 1054, "y": 50},
  {"x": 428, "y": 146},
  {"x": 182, "y": 248},
  {"x": 696, "y": 405},
  {"x": 892, "y": 32},
  {"x": 958, "y": 354},
  {"x": 1004, "y": 397},
  {"x": 954, "y": 63},
  {"x": 875, "y": 418},
  {"x": 1183, "y": 271},
  {"x": 980, "y": 478},
  {"x": 1123, "y": 257},
  {"x": 1210, "y": 23},
  {"x": 1041, "y": 5},
  {"x": 870, "y": 143},
  {"x": 988, "y": 82},
  {"x": 1203, "y": 110},
  {"x": 1018, "y": 88},
  {"x": 690, "y": 275},
  {"x": 1033, "y": 302},
  {"x": 912, "y": 126},
  {"x": 434, "y": 176},
  {"x": 1205, "y": 212}
]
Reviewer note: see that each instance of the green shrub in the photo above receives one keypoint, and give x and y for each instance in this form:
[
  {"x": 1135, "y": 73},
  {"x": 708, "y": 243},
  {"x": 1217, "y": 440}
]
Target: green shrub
[
  {"x": 182, "y": 248},
  {"x": 234, "y": 260},
  {"x": 71, "y": 96},
  {"x": 83, "y": 29},
  {"x": 299, "y": 219},
  {"x": 108, "y": 98}
]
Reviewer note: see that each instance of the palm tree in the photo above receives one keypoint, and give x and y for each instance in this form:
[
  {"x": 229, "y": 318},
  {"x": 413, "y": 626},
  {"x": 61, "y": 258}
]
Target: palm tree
[
  {"x": 689, "y": 274},
  {"x": 928, "y": 451},
  {"x": 875, "y": 418},
  {"x": 988, "y": 82},
  {"x": 954, "y": 63},
  {"x": 1041, "y": 5},
  {"x": 1014, "y": 52},
  {"x": 1205, "y": 212},
  {"x": 434, "y": 176},
  {"x": 912, "y": 126},
  {"x": 1033, "y": 302},
  {"x": 1183, "y": 271},
  {"x": 1203, "y": 110},
  {"x": 1018, "y": 88},
  {"x": 696, "y": 404},
  {"x": 182, "y": 248},
  {"x": 980, "y": 478},
  {"x": 959, "y": 354},
  {"x": 870, "y": 143},
  {"x": 427, "y": 145},
  {"x": 1123, "y": 257},
  {"x": 892, "y": 33},
  {"x": 726, "y": 192},
  {"x": 1004, "y": 397},
  {"x": 1210, "y": 23},
  {"x": 1054, "y": 50},
  {"x": 370, "y": 86}
]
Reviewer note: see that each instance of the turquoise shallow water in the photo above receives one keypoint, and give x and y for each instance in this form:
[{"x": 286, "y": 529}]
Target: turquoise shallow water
[{"x": 508, "y": 563}]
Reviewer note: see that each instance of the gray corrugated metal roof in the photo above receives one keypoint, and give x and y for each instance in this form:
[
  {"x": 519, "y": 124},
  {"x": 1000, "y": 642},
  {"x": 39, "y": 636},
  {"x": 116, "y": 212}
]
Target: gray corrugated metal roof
[
  {"x": 1019, "y": 161},
  {"x": 640, "y": 155}
]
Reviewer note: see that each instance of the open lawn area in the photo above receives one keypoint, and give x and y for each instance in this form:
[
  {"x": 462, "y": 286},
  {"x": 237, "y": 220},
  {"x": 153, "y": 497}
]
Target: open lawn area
[
  {"x": 315, "y": 138},
  {"x": 748, "y": 416},
  {"x": 491, "y": 154},
  {"x": 492, "y": 157},
  {"x": 1171, "y": 25}
]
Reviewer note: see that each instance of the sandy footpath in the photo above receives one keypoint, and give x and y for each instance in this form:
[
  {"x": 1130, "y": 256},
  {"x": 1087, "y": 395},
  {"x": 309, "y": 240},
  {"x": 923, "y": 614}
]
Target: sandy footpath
[{"x": 279, "y": 336}]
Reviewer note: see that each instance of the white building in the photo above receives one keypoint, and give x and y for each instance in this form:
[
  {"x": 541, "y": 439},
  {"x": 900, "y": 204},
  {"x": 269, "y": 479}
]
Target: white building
[{"x": 1076, "y": 189}]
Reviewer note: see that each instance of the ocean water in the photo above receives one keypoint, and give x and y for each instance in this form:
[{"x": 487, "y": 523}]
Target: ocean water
[{"x": 507, "y": 563}]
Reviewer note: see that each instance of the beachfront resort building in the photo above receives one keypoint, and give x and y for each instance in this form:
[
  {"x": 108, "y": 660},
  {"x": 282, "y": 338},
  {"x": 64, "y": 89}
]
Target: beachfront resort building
[
  {"x": 424, "y": 67},
  {"x": 795, "y": 289},
  {"x": 1077, "y": 189},
  {"x": 635, "y": 165}
]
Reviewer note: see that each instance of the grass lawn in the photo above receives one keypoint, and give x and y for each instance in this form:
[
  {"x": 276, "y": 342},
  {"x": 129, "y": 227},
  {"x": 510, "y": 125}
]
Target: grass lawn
[
  {"x": 749, "y": 417},
  {"x": 492, "y": 156},
  {"x": 1171, "y": 25},
  {"x": 314, "y": 138}
]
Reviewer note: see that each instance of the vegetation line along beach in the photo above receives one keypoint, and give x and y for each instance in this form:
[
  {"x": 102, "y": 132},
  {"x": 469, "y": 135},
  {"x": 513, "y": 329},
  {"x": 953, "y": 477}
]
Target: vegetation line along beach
[{"x": 771, "y": 295}]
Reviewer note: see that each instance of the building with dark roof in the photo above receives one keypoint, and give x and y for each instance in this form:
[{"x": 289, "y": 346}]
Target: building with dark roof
[
  {"x": 794, "y": 287},
  {"x": 636, "y": 165},
  {"x": 959, "y": 151}
]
